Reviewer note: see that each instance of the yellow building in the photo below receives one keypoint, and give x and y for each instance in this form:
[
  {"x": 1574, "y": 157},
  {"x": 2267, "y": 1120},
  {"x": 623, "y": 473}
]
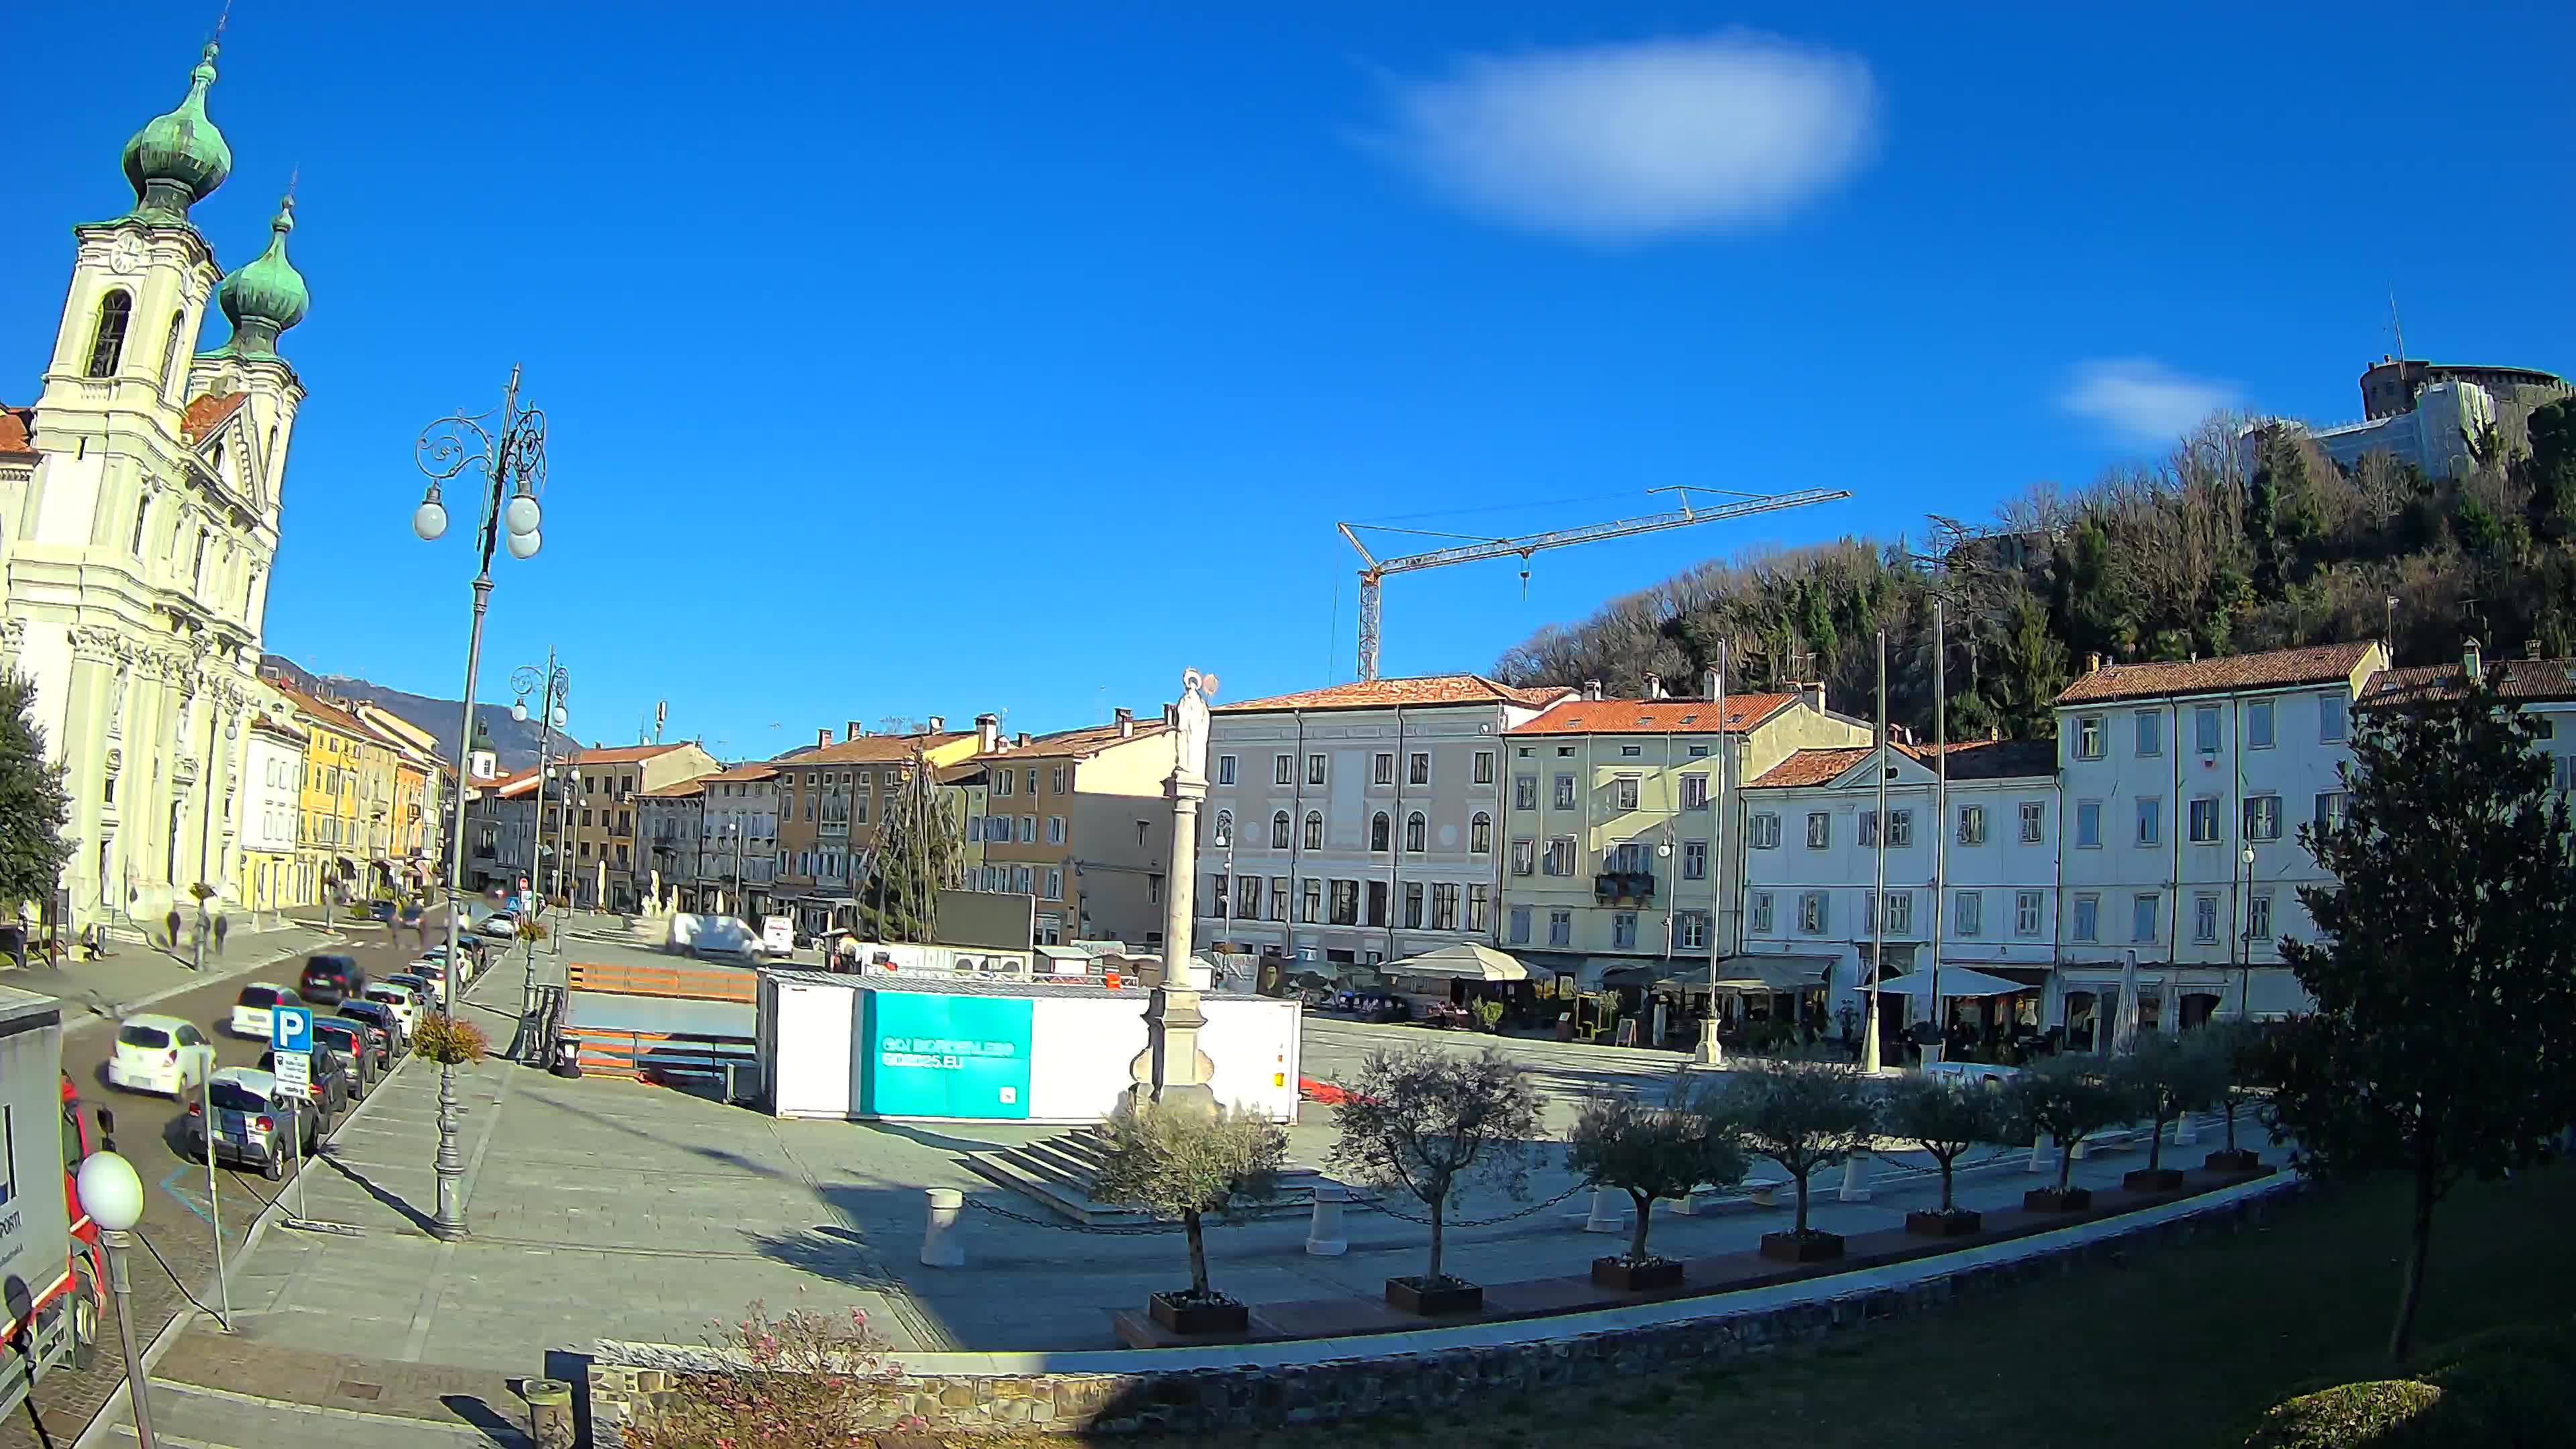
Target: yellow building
[{"x": 347, "y": 804}]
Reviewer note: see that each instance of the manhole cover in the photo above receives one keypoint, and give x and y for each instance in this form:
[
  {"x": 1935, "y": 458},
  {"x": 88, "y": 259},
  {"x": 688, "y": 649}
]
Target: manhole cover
[{"x": 369, "y": 1392}]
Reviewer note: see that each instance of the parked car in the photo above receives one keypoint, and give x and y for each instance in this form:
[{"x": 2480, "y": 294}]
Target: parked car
[
  {"x": 501, "y": 924},
  {"x": 426, "y": 989},
  {"x": 327, "y": 1083},
  {"x": 355, "y": 1046},
  {"x": 384, "y": 1032},
  {"x": 253, "y": 1126},
  {"x": 251, "y": 1008},
  {"x": 159, "y": 1054},
  {"x": 401, "y": 1001},
  {"x": 330, "y": 980}
]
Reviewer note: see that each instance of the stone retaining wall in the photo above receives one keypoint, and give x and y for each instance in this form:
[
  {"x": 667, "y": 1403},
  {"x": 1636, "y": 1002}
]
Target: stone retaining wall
[{"x": 627, "y": 1379}]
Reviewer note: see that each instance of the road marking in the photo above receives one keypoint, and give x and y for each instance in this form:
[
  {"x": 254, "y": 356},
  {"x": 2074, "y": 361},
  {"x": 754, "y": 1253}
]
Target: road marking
[{"x": 170, "y": 1185}]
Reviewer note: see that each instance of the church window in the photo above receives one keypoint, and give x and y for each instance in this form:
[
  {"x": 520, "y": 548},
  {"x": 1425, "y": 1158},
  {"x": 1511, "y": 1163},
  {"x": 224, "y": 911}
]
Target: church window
[
  {"x": 197, "y": 570},
  {"x": 107, "y": 344},
  {"x": 170, "y": 352},
  {"x": 142, "y": 522}
]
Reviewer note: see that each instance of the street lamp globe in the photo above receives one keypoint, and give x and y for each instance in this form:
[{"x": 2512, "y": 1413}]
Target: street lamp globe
[
  {"x": 2247, "y": 857},
  {"x": 110, "y": 1192},
  {"x": 523, "y": 545},
  {"x": 519, "y": 515},
  {"x": 519, "y": 711},
  {"x": 429, "y": 520}
]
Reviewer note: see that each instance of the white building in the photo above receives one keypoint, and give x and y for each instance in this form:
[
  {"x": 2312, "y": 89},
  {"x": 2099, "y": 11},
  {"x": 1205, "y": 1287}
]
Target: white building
[
  {"x": 1811, "y": 870},
  {"x": 1311, "y": 817},
  {"x": 2184, "y": 786},
  {"x": 2545, "y": 689},
  {"x": 141, "y": 502},
  {"x": 273, "y": 763},
  {"x": 738, "y": 839},
  {"x": 669, "y": 822}
]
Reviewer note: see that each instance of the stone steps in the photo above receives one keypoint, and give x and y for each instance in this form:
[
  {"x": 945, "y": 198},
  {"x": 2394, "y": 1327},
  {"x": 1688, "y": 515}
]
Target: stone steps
[{"x": 1057, "y": 1174}]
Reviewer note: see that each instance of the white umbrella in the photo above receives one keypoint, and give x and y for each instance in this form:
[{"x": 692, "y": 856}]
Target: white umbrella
[
  {"x": 1464, "y": 961},
  {"x": 1956, "y": 981},
  {"x": 2128, "y": 1020}
]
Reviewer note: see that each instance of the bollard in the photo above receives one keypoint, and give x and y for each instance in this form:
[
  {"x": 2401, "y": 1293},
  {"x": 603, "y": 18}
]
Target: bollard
[
  {"x": 2186, "y": 1131},
  {"x": 549, "y": 1413},
  {"x": 1856, "y": 1177},
  {"x": 942, "y": 1246},
  {"x": 1324, "y": 1232},
  {"x": 2041, "y": 1159},
  {"x": 2081, "y": 1144},
  {"x": 1606, "y": 1216}
]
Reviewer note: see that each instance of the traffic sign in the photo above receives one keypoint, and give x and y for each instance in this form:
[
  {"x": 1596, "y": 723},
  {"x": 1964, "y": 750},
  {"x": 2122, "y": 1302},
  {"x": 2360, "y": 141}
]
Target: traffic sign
[
  {"x": 290, "y": 1029},
  {"x": 294, "y": 1072}
]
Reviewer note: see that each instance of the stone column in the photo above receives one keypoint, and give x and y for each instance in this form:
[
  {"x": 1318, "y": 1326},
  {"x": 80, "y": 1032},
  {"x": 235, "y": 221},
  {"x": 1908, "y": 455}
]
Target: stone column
[{"x": 1172, "y": 1069}]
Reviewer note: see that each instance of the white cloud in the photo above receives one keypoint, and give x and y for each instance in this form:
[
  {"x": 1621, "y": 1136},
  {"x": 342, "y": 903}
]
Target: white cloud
[
  {"x": 2140, "y": 400},
  {"x": 1617, "y": 142}
]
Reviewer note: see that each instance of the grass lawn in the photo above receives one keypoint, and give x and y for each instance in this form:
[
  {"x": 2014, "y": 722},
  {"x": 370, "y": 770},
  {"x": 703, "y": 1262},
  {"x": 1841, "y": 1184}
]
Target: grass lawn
[{"x": 2175, "y": 1350}]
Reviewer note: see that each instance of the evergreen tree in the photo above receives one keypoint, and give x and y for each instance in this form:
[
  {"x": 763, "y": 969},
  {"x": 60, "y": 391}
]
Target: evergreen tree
[
  {"x": 2551, "y": 469},
  {"x": 34, "y": 807},
  {"x": 2444, "y": 1041},
  {"x": 919, "y": 852}
]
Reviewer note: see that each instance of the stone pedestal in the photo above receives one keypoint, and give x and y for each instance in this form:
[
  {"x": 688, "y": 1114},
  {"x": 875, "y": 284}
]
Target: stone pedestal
[
  {"x": 1710, "y": 1053},
  {"x": 941, "y": 1244},
  {"x": 1609, "y": 1211},
  {"x": 1324, "y": 1237},
  {"x": 1856, "y": 1177}
]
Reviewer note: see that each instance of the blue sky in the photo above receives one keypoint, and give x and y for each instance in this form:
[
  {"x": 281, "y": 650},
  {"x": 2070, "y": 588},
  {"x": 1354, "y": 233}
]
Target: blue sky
[{"x": 933, "y": 359}]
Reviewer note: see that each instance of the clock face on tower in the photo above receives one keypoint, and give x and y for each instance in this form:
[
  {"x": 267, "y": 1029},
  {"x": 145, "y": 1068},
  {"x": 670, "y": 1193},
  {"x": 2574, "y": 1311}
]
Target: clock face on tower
[{"x": 126, "y": 258}]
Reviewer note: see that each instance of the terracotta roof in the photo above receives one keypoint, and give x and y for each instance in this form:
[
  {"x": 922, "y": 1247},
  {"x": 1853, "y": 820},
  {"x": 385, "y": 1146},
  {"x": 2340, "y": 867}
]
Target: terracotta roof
[
  {"x": 17, "y": 430},
  {"x": 1816, "y": 767},
  {"x": 1075, "y": 744},
  {"x": 963, "y": 770},
  {"x": 756, "y": 770},
  {"x": 623, "y": 754},
  {"x": 2319, "y": 664},
  {"x": 1997, "y": 759},
  {"x": 2535, "y": 679},
  {"x": 207, "y": 413},
  {"x": 1654, "y": 716},
  {"x": 322, "y": 709},
  {"x": 1423, "y": 690},
  {"x": 679, "y": 790},
  {"x": 874, "y": 749}
]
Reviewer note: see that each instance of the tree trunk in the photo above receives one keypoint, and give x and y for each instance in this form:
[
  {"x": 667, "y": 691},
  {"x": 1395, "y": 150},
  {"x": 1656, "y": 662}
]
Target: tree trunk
[
  {"x": 2156, "y": 1143},
  {"x": 2065, "y": 1163},
  {"x": 2227, "y": 1104},
  {"x": 2419, "y": 1242},
  {"x": 1198, "y": 1251},
  {"x": 1802, "y": 1204},
  {"x": 1434, "y": 1280},
  {"x": 1946, "y": 1164},
  {"x": 1637, "y": 1239}
]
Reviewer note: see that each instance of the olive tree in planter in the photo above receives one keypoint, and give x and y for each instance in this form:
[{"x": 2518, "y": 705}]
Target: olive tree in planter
[
  {"x": 2235, "y": 1049},
  {"x": 1432, "y": 1123},
  {"x": 1805, "y": 1116},
  {"x": 1945, "y": 1119},
  {"x": 1175, "y": 1162},
  {"x": 2164, "y": 1077},
  {"x": 1649, "y": 1153},
  {"x": 2065, "y": 1099}
]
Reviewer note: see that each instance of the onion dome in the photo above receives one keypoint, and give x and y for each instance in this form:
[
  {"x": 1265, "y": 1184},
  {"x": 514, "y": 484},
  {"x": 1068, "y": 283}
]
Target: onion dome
[
  {"x": 176, "y": 159},
  {"x": 266, "y": 297}
]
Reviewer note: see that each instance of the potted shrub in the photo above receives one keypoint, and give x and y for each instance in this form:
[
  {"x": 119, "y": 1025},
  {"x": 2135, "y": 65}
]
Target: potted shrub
[
  {"x": 1489, "y": 1015},
  {"x": 1431, "y": 1123},
  {"x": 2164, "y": 1077},
  {"x": 2065, "y": 1099},
  {"x": 1192, "y": 1165},
  {"x": 1805, "y": 1116},
  {"x": 1945, "y": 1119},
  {"x": 2234, "y": 1047},
  {"x": 1648, "y": 1153}
]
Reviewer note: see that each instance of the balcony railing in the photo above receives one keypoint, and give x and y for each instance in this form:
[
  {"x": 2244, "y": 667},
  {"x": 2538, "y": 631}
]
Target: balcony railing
[{"x": 1624, "y": 885}]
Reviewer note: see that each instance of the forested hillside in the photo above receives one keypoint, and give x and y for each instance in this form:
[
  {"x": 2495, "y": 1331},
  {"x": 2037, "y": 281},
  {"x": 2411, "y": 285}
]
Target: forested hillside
[{"x": 2217, "y": 550}]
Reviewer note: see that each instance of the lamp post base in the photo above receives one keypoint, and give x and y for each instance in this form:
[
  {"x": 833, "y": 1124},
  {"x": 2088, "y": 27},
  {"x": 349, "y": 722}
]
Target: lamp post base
[{"x": 1710, "y": 1054}]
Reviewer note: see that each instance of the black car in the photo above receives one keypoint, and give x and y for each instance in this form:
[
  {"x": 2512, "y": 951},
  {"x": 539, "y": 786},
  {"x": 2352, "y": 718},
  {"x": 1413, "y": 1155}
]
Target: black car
[
  {"x": 330, "y": 980},
  {"x": 351, "y": 1042},
  {"x": 384, "y": 1031},
  {"x": 329, "y": 1087}
]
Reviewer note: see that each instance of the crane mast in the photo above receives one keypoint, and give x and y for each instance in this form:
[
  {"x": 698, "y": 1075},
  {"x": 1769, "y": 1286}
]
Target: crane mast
[{"x": 1373, "y": 569}]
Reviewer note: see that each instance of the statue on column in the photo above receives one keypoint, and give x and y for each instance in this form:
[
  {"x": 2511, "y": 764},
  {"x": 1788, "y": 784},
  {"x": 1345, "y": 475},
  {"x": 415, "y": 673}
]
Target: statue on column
[{"x": 1172, "y": 1070}]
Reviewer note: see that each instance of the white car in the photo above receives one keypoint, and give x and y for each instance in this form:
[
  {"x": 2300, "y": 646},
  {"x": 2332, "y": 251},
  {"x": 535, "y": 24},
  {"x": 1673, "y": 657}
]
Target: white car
[
  {"x": 399, "y": 1000},
  {"x": 251, "y": 1008},
  {"x": 501, "y": 924},
  {"x": 160, "y": 1054}
]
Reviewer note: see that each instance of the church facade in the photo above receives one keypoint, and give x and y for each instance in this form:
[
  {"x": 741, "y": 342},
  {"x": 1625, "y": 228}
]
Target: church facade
[{"x": 139, "y": 506}]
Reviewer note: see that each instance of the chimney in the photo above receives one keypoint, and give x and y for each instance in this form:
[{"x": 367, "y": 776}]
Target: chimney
[
  {"x": 1023, "y": 738},
  {"x": 2092, "y": 663},
  {"x": 2531, "y": 647},
  {"x": 1654, "y": 685},
  {"x": 1171, "y": 716},
  {"x": 2473, "y": 660},
  {"x": 853, "y": 731},
  {"x": 1815, "y": 695},
  {"x": 1708, "y": 687},
  {"x": 988, "y": 733},
  {"x": 937, "y": 724},
  {"x": 1592, "y": 689},
  {"x": 822, "y": 736},
  {"x": 1126, "y": 724}
]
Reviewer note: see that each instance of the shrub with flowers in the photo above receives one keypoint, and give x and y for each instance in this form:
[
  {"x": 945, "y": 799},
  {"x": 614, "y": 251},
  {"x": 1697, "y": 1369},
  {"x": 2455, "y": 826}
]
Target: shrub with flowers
[
  {"x": 449, "y": 1040},
  {"x": 796, "y": 1381}
]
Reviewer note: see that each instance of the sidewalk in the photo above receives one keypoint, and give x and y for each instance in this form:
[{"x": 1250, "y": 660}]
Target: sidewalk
[{"x": 135, "y": 976}]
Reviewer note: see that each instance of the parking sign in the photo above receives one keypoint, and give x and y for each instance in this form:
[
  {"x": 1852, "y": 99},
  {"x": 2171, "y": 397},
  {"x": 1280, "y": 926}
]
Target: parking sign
[{"x": 290, "y": 1029}]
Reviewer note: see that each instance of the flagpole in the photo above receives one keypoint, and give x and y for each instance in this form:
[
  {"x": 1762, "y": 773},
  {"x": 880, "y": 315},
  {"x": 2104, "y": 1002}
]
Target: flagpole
[
  {"x": 1940, "y": 820},
  {"x": 1869, "y": 1045}
]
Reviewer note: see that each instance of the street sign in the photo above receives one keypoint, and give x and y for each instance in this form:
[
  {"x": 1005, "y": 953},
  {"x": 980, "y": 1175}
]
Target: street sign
[
  {"x": 290, "y": 1029},
  {"x": 294, "y": 1072}
]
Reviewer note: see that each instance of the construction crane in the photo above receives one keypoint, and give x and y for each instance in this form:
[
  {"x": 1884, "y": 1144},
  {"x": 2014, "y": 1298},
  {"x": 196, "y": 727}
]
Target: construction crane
[{"x": 1471, "y": 550}]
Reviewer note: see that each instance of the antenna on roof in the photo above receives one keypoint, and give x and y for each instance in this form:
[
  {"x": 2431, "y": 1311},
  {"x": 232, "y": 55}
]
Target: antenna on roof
[
  {"x": 226, "y": 18},
  {"x": 2399, "y": 328}
]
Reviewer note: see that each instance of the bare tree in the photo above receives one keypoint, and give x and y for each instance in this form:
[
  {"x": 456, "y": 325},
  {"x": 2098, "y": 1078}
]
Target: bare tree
[{"x": 1432, "y": 1123}]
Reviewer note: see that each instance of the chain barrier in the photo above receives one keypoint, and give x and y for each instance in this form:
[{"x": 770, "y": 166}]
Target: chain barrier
[
  {"x": 1379, "y": 1205},
  {"x": 1112, "y": 1230}
]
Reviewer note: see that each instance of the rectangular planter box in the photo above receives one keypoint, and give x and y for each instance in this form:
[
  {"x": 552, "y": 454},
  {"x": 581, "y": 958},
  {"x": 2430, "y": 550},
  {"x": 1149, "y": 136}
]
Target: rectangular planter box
[
  {"x": 1815, "y": 1247},
  {"x": 1410, "y": 1296},
  {"x": 2224, "y": 1160},
  {"x": 1198, "y": 1318},
  {"x": 1944, "y": 1225},
  {"x": 2152, "y": 1179},
  {"x": 1636, "y": 1277},
  {"x": 2050, "y": 1200}
]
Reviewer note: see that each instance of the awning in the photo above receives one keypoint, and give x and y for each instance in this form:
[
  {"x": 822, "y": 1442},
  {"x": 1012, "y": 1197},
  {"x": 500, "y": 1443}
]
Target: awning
[
  {"x": 1955, "y": 981},
  {"x": 1464, "y": 961},
  {"x": 1762, "y": 973}
]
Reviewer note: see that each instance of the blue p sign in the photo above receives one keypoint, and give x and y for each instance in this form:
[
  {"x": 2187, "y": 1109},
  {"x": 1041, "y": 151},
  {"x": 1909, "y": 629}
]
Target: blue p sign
[{"x": 290, "y": 1029}]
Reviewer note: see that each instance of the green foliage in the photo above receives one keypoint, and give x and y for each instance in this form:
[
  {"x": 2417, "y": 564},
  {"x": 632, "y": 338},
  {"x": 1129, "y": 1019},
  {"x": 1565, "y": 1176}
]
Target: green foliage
[
  {"x": 449, "y": 1040},
  {"x": 1432, "y": 1123},
  {"x": 1805, "y": 1116},
  {"x": 2165, "y": 1076},
  {"x": 920, "y": 851},
  {"x": 1945, "y": 1119},
  {"x": 2444, "y": 1040},
  {"x": 2550, "y": 471},
  {"x": 2504, "y": 1388},
  {"x": 1651, "y": 1152},
  {"x": 2066, "y": 1099},
  {"x": 2347, "y": 1416},
  {"x": 1176, "y": 1163},
  {"x": 1489, "y": 1014},
  {"x": 33, "y": 805}
]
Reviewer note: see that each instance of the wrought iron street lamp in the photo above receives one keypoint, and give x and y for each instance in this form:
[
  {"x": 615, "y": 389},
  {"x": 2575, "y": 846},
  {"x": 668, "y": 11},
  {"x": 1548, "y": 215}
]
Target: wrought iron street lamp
[
  {"x": 508, "y": 448},
  {"x": 550, "y": 685}
]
